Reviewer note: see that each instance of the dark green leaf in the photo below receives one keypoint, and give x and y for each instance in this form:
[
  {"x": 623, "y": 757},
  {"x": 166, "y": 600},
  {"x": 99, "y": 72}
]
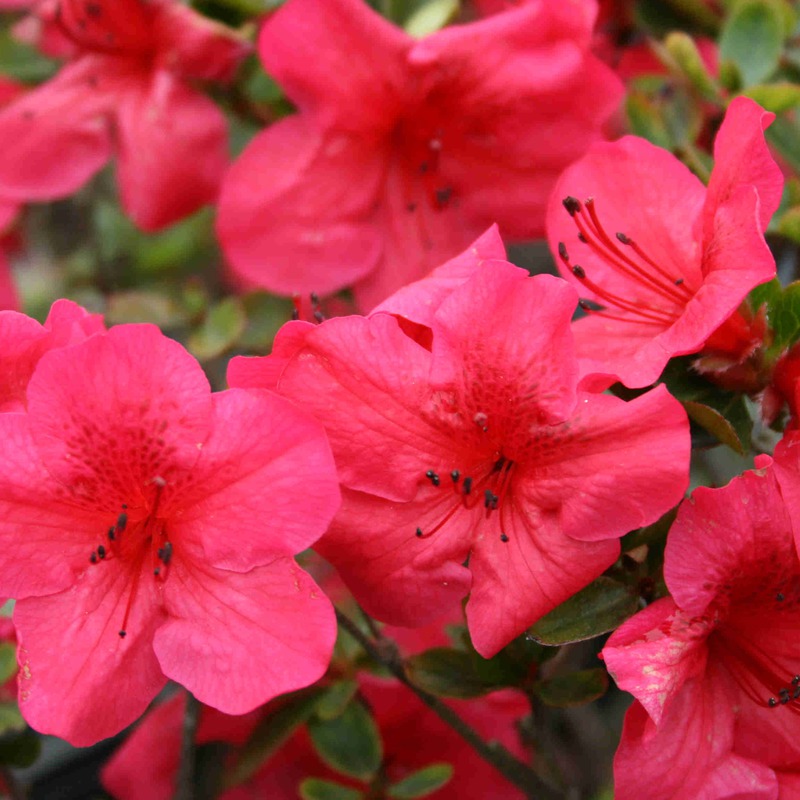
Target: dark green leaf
[
  {"x": 717, "y": 425},
  {"x": 752, "y": 38},
  {"x": 601, "y": 607},
  {"x": 349, "y": 743},
  {"x": 271, "y": 733},
  {"x": 575, "y": 689},
  {"x": 457, "y": 673},
  {"x": 333, "y": 702},
  {"x": 316, "y": 789},
  {"x": 422, "y": 782},
  {"x": 784, "y": 317}
]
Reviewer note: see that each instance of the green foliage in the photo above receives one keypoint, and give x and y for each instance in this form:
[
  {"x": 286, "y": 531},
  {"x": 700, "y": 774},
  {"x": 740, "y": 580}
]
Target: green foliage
[
  {"x": 349, "y": 743},
  {"x": 430, "y": 17},
  {"x": 8, "y": 661},
  {"x": 574, "y": 689},
  {"x": 19, "y": 745},
  {"x": 599, "y": 608},
  {"x": 752, "y": 39},
  {"x": 220, "y": 330},
  {"x": 421, "y": 783},
  {"x": 317, "y": 789},
  {"x": 336, "y": 698}
]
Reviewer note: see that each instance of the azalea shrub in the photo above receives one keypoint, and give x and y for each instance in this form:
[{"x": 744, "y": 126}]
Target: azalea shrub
[{"x": 400, "y": 399}]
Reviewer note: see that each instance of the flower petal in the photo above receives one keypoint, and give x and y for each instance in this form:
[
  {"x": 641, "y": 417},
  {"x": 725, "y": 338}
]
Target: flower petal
[
  {"x": 173, "y": 149},
  {"x": 295, "y": 210},
  {"x": 222, "y": 623}
]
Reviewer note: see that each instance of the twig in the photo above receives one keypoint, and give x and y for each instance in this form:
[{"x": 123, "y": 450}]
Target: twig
[
  {"x": 186, "y": 774},
  {"x": 514, "y": 770}
]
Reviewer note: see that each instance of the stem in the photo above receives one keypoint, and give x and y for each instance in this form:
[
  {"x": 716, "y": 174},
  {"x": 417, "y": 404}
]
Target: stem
[
  {"x": 186, "y": 774},
  {"x": 514, "y": 770}
]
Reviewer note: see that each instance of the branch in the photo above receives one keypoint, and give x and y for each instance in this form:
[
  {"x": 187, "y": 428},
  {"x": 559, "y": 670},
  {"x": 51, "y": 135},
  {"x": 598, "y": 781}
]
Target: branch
[
  {"x": 186, "y": 774},
  {"x": 514, "y": 770}
]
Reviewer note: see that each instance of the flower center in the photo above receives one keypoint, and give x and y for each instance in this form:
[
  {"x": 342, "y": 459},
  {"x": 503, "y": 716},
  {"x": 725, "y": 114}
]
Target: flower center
[
  {"x": 661, "y": 294},
  {"x": 488, "y": 484},
  {"x": 131, "y": 542}
]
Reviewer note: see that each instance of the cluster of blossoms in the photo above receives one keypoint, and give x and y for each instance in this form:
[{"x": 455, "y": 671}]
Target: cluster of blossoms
[{"x": 476, "y": 445}]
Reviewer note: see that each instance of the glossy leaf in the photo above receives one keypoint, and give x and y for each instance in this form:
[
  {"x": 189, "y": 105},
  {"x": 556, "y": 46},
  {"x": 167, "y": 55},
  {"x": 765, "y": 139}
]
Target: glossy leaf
[
  {"x": 752, "y": 38},
  {"x": 317, "y": 789},
  {"x": 336, "y": 698},
  {"x": 601, "y": 607},
  {"x": 421, "y": 783},
  {"x": 575, "y": 689}
]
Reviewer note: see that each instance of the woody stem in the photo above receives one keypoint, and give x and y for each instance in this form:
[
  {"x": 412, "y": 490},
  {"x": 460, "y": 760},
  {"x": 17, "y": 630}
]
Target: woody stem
[
  {"x": 185, "y": 789},
  {"x": 517, "y": 772}
]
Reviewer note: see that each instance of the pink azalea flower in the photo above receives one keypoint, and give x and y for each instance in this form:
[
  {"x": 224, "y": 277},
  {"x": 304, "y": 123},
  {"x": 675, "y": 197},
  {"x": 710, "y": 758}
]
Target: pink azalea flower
[
  {"x": 147, "y": 528},
  {"x": 668, "y": 260},
  {"x": 404, "y": 151},
  {"x": 127, "y": 91},
  {"x": 473, "y": 442},
  {"x": 714, "y": 667}
]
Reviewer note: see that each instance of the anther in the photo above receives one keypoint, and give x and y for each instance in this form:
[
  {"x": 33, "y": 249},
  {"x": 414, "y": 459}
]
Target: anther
[
  {"x": 419, "y": 533},
  {"x": 123, "y": 634},
  {"x": 432, "y": 477},
  {"x": 783, "y": 694},
  {"x": 112, "y": 532},
  {"x": 122, "y": 521},
  {"x": 780, "y": 597},
  {"x": 165, "y": 553},
  {"x": 467, "y": 485},
  {"x": 562, "y": 252},
  {"x": 443, "y": 195},
  {"x": 572, "y": 204},
  {"x": 490, "y": 499},
  {"x": 503, "y": 538},
  {"x": 772, "y": 702},
  {"x": 93, "y": 557},
  {"x": 579, "y": 272},
  {"x": 101, "y": 551},
  {"x": 678, "y": 281},
  {"x": 623, "y": 238},
  {"x": 455, "y": 475}
]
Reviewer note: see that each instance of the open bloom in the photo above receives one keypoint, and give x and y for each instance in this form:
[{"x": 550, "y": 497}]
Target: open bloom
[
  {"x": 715, "y": 668},
  {"x": 404, "y": 151},
  {"x": 147, "y": 528},
  {"x": 459, "y": 434},
  {"x": 127, "y": 91},
  {"x": 668, "y": 260}
]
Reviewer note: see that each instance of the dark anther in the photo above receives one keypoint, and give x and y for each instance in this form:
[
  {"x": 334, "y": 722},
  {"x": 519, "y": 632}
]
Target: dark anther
[
  {"x": 562, "y": 252},
  {"x": 584, "y": 306},
  {"x": 122, "y": 521},
  {"x": 503, "y": 538},
  {"x": 443, "y": 195},
  {"x": 623, "y": 238},
  {"x": 165, "y": 553},
  {"x": 796, "y": 694},
  {"x": 780, "y": 597},
  {"x": 319, "y": 316},
  {"x": 579, "y": 272},
  {"x": 572, "y": 204},
  {"x": 295, "y": 314},
  {"x": 112, "y": 532},
  {"x": 101, "y": 551},
  {"x": 490, "y": 499},
  {"x": 796, "y": 680},
  {"x": 93, "y": 558},
  {"x": 784, "y": 696},
  {"x": 156, "y": 572},
  {"x": 314, "y": 297},
  {"x": 455, "y": 475},
  {"x": 419, "y": 533},
  {"x": 123, "y": 634},
  {"x": 772, "y": 702},
  {"x": 582, "y": 238},
  {"x": 467, "y": 485},
  {"x": 678, "y": 281},
  {"x": 432, "y": 477}
]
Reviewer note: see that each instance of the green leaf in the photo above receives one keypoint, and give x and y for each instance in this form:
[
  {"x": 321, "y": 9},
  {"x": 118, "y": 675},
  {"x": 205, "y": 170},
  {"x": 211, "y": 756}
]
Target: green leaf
[
  {"x": 686, "y": 57},
  {"x": 271, "y": 733},
  {"x": 717, "y": 425},
  {"x": 220, "y": 330},
  {"x": 7, "y": 609},
  {"x": 752, "y": 38},
  {"x": 575, "y": 689},
  {"x": 784, "y": 317},
  {"x": 20, "y": 750},
  {"x": 316, "y": 789},
  {"x": 349, "y": 743},
  {"x": 333, "y": 702},
  {"x": 8, "y": 661},
  {"x": 11, "y": 720},
  {"x": 456, "y": 673},
  {"x": 784, "y": 135},
  {"x": 601, "y": 607},
  {"x": 775, "y": 97},
  {"x": 430, "y": 17},
  {"x": 421, "y": 783}
]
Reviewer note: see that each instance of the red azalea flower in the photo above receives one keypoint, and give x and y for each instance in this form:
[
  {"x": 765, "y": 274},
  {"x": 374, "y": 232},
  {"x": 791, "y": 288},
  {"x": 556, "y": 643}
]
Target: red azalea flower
[
  {"x": 146, "y": 766},
  {"x": 404, "y": 151},
  {"x": 668, "y": 260},
  {"x": 147, "y": 528},
  {"x": 473, "y": 443},
  {"x": 714, "y": 667},
  {"x": 127, "y": 91}
]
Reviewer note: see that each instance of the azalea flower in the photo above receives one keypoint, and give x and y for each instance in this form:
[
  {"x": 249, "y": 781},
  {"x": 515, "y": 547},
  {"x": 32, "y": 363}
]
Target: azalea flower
[
  {"x": 460, "y": 436},
  {"x": 714, "y": 667},
  {"x": 127, "y": 91},
  {"x": 668, "y": 260},
  {"x": 147, "y": 528},
  {"x": 404, "y": 151}
]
